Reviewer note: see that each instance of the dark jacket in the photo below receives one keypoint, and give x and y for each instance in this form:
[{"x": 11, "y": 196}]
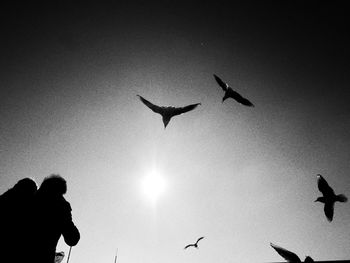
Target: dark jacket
[
  {"x": 52, "y": 218},
  {"x": 15, "y": 209}
]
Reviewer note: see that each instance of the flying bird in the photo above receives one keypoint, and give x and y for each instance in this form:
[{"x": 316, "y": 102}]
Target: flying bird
[
  {"x": 168, "y": 112},
  {"x": 195, "y": 244},
  {"x": 230, "y": 93},
  {"x": 329, "y": 197},
  {"x": 290, "y": 256}
]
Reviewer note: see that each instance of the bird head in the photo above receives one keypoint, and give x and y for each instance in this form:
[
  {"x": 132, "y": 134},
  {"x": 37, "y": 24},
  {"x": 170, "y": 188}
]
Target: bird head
[{"x": 308, "y": 260}]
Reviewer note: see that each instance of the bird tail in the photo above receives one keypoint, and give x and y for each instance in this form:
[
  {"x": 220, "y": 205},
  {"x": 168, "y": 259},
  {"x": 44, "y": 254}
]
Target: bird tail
[{"x": 342, "y": 198}]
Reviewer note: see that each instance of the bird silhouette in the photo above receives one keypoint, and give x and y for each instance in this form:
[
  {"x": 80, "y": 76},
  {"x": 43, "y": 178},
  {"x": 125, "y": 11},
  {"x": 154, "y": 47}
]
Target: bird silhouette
[
  {"x": 329, "y": 197},
  {"x": 290, "y": 256},
  {"x": 195, "y": 244},
  {"x": 168, "y": 112},
  {"x": 230, "y": 93}
]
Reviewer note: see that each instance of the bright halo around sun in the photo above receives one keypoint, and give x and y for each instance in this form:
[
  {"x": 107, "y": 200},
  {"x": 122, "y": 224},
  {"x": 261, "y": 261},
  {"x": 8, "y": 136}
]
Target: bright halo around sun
[{"x": 153, "y": 186}]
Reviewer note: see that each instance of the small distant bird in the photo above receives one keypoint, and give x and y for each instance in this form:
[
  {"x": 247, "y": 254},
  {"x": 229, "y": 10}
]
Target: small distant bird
[
  {"x": 168, "y": 112},
  {"x": 230, "y": 93},
  {"x": 329, "y": 197},
  {"x": 290, "y": 256},
  {"x": 195, "y": 244}
]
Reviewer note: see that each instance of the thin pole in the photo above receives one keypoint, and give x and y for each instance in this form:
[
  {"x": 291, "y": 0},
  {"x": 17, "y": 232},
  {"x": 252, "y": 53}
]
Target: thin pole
[{"x": 70, "y": 248}]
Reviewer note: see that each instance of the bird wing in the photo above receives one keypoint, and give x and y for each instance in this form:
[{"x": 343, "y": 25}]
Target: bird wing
[
  {"x": 222, "y": 84},
  {"x": 150, "y": 105},
  {"x": 190, "y": 245},
  {"x": 239, "y": 98},
  {"x": 286, "y": 254},
  {"x": 323, "y": 186},
  {"x": 329, "y": 211},
  {"x": 199, "y": 239},
  {"x": 180, "y": 110}
]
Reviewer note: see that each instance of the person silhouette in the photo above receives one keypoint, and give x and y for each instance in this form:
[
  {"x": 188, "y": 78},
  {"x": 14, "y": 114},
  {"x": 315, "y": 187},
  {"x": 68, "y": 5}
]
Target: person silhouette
[
  {"x": 52, "y": 218},
  {"x": 15, "y": 207}
]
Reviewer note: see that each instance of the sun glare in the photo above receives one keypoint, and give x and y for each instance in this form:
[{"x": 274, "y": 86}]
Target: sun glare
[{"x": 153, "y": 185}]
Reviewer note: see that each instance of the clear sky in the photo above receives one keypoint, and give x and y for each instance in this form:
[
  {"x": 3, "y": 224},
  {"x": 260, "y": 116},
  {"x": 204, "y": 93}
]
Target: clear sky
[{"x": 242, "y": 177}]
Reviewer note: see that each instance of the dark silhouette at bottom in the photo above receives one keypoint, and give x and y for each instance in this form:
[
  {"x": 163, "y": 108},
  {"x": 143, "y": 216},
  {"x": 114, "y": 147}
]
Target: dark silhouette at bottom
[
  {"x": 52, "y": 218},
  {"x": 15, "y": 207},
  {"x": 290, "y": 256}
]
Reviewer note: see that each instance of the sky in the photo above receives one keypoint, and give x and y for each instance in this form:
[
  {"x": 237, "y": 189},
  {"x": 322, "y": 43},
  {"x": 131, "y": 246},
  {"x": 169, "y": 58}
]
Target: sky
[{"x": 241, "y": 177}]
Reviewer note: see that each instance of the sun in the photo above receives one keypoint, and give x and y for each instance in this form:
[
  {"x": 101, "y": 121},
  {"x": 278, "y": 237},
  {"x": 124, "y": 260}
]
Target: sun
[{"x": 153, "y": 186}]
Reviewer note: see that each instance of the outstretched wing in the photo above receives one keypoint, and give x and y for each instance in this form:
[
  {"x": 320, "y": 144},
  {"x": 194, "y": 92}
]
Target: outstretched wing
[
  {"x": 222, "y": 84},
  {"x": 329, "y": 211},
  {"x": 190, "y": 245},
  {"x": 150, "y": 105},
  {"x": 286, "y": 254},
  {"x": 180, "y": 110},
  {"x": 239, "y": 98},
  {"x": 199, "y": 239},
  {"x": 323, "y": 186}
]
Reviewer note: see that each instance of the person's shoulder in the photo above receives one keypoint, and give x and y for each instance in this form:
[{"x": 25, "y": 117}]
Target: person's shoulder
[{"x": 66, "y": 205}]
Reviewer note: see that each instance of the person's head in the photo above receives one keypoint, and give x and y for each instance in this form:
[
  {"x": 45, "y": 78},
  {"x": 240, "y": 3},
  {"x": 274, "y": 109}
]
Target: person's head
[
  {"x": 54, "y": 185},
  {"x": 26, "y": 187}
]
